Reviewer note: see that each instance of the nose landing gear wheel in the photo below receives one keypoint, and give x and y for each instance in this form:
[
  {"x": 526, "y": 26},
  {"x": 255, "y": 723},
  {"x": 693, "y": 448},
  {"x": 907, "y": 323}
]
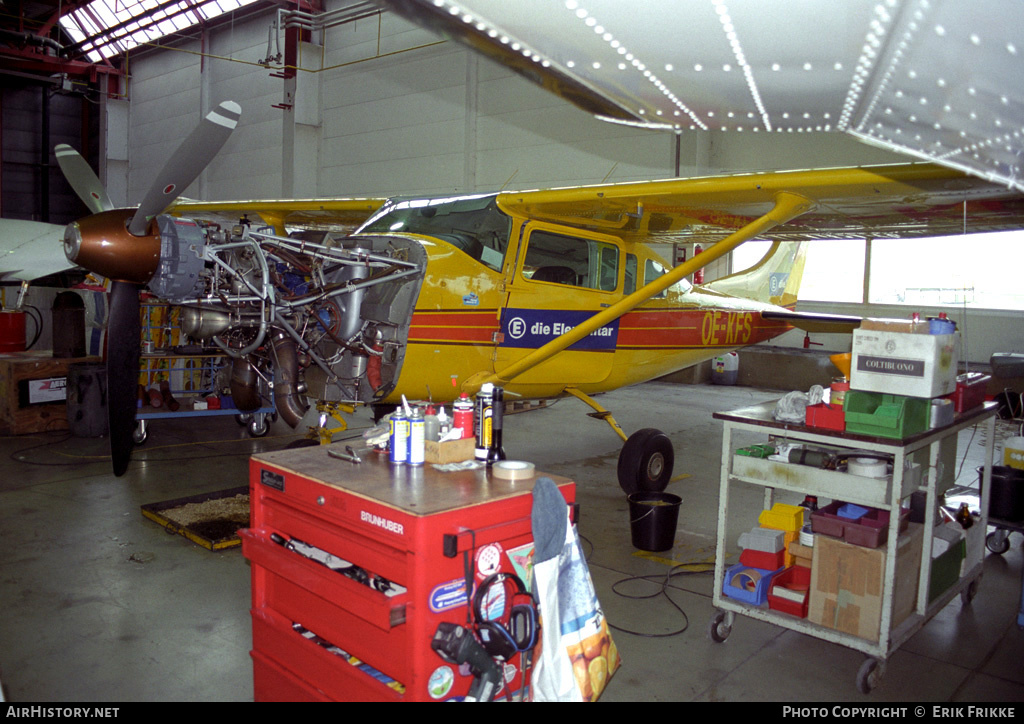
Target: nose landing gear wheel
[{"x": 645, "y": 462}]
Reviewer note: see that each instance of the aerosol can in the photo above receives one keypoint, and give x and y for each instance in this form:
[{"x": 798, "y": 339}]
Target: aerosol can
[
  {"x": 484, "y": 420},
  {"x": 496, "y": 451},
  {"x": 417, "y": 435},
  {"x": 463, "y": 415},
  {"x": 399, "y": 438}
]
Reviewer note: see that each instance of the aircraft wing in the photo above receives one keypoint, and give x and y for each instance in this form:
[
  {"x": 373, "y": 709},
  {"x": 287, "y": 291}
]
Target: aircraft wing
[
  {"x": 891, "y": 201},
  {"x": 343, "y": 214},
  {"x": 31, "y": 249}
]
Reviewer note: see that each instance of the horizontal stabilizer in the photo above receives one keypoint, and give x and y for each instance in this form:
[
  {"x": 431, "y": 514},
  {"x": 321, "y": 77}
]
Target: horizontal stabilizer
[{"x": 817, "y": 323}]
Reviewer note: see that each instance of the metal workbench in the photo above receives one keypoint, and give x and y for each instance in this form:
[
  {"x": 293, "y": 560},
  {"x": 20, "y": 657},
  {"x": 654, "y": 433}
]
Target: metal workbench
[{"x": 885, "y": 494}]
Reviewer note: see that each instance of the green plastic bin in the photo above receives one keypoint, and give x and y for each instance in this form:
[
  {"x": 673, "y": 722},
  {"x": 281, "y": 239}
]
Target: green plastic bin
[{"x": 872, "y": 413}]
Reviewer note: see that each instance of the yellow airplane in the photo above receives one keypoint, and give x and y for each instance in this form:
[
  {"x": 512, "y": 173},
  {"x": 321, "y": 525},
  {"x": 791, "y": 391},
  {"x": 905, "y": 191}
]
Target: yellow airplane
[{"x": 545, "y": 293}]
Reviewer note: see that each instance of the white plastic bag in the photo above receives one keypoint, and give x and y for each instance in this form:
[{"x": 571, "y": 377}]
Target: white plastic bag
[{"x": 577, "y": 655}]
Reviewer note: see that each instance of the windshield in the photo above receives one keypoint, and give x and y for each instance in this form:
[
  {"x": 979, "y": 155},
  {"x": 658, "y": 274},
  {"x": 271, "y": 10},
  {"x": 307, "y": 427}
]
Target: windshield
[{"x": 472, "y": 224}]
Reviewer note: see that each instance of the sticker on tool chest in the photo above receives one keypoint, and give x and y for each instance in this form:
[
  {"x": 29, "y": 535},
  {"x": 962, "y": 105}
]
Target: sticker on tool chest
[
  {"x": 272, "y": 479},
  {"x": 447, "y": 596}
]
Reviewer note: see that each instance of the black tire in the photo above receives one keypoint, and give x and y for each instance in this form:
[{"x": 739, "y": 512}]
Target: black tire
[
  {"x": 645, "y": 462},
  {"x": 718, "y": 629},
  {"x": 868, "y": 676},
  {"x": 259, "y": 426},
  {"x": 998, "y": 541}
]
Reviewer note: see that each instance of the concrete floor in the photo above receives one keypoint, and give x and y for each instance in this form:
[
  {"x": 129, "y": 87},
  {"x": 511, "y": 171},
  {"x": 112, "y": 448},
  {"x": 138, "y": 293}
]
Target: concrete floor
[{"x": 101, "y": 604}]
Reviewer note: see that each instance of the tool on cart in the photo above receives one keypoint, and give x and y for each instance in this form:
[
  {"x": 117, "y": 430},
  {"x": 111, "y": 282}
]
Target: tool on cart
[
  {"x": 456, "y": 645},
  {"x": 349, "y": 455},
  {"x": 340, "y": 565}
]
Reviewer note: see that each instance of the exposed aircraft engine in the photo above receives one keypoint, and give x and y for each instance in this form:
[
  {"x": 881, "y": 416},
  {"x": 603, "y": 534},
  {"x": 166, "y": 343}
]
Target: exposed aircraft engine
[{"x": 283, "y": 306}]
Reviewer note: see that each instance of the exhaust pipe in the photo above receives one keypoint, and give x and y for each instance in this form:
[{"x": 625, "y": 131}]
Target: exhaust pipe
[
  {"x": 245, "y": 390},
  {"x": 290, "y": 403}
]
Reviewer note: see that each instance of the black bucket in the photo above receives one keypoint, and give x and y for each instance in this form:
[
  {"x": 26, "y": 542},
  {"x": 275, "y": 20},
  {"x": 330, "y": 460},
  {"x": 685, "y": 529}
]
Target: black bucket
[
  {"x": 652, "y": 519},
  {"x": 1006, "y": 501},
  {"x": 87, "y": 399}
]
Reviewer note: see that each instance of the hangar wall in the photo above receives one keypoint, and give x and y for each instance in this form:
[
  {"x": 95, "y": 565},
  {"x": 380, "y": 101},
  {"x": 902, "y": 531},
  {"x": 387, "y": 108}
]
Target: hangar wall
[{"x": 382, "y": 107}]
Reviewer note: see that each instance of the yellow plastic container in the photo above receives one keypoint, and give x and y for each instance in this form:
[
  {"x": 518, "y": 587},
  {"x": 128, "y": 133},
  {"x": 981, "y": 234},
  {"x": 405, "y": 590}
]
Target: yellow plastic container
[{"x": 782, "y": 517}]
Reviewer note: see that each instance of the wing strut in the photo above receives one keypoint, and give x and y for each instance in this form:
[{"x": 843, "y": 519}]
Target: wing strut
[{"x": 787, "y": 207}]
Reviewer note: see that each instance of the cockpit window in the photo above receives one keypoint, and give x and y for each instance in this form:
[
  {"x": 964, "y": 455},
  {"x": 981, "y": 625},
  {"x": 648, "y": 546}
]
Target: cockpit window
[
  {"x": 473, "y": 224},
  {"x": 572, "y": 261}
]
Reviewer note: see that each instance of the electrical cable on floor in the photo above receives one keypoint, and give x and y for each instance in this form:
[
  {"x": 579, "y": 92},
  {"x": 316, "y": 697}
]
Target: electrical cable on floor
[{"x": 662, "y": 591}]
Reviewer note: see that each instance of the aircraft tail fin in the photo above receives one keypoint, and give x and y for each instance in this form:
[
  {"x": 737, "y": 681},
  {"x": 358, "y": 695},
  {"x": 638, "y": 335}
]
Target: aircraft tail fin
[{"x": 775, "y": 279}]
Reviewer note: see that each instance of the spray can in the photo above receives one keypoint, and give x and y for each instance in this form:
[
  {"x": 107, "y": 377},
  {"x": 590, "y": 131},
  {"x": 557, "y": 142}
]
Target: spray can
[
  {"x": 417, "y": 435},
  {"x": 399, "y": 438},
  {"x": 463, "y": 415},
  {"x": 496, "y": 451},
  {"x": 484, "y": 420}
]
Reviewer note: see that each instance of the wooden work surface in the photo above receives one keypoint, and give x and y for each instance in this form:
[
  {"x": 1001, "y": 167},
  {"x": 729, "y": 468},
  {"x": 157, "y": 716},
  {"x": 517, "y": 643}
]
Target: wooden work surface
[
  {"x": 416, "y": 490},
  {"x": 761, "y": 415}
]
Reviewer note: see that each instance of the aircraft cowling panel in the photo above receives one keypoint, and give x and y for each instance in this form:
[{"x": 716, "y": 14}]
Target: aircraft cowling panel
[{"x": 102, "y": 244}]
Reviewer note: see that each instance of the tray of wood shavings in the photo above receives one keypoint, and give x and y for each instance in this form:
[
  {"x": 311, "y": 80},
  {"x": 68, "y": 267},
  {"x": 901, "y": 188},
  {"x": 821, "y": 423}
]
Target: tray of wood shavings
[{"x": 210, "y": 520}]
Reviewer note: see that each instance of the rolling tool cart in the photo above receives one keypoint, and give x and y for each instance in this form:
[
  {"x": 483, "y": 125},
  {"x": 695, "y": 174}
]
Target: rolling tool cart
[
  {"x": 184, "y": 381},
  {"x": 909, "y": 582},
  {"x": 380, "y": 582}
]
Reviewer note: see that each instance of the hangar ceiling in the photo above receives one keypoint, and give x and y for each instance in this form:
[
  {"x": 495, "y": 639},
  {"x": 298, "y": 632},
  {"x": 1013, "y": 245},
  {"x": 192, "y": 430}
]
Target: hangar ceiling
[{"x": 941, "y": 80}]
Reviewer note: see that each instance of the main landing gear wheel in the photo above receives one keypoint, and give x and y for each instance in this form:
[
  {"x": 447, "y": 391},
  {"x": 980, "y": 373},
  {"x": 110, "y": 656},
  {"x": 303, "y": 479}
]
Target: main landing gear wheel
[{"x": 645, "y": 463}]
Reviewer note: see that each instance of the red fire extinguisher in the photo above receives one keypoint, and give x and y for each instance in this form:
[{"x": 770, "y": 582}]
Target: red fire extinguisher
[{"x": 698, "y": 276}]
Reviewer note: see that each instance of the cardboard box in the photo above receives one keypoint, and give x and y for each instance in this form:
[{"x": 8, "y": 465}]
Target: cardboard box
[
  {"x": 903, "y": 326},
  {"x": 910, "y": 365},
  {"x": 802, "y": 555},
  {"x": 453, "y": 451},
  {"x": 847, "y": 581}
]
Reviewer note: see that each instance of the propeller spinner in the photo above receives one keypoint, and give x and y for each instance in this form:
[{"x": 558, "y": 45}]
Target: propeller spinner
[{"x": 124, "y": 246}]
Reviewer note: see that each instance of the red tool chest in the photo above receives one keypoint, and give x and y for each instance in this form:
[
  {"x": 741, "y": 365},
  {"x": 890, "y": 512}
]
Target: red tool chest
[{"x": 322, "y": 631}]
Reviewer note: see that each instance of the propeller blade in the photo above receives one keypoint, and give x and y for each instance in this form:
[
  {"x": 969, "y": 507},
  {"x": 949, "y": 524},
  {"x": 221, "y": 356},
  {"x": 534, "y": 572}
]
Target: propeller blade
[
  {"x": 82, "y": 178},
  {"x": 123, "y": 349},
  {"x": 186, "y": 163},
  {"x": 31, "y": 249}
]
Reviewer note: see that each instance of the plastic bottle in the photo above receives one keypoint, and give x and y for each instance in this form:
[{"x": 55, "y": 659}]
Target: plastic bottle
[
  {"x": 464, "y": 415},
  {"x": 444, "y": 423},
  {"x": 431, "y": 425}
]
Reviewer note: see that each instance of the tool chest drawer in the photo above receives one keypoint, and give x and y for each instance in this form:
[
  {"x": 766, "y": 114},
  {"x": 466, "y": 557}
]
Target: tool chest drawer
[
  {"x": 317, "y": 664},
  {"x": 355, "y": 567}
]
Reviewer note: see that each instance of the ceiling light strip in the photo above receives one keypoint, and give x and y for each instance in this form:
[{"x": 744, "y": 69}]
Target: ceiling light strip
[
  {"x": 584, "y": 16},
  {"x": 737, "y": 50},
  {"x": 884, "y": 18}
]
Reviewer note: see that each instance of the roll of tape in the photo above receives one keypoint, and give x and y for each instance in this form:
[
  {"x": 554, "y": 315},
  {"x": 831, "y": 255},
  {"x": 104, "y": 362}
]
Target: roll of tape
[
  {"x": 512, "y": 470},
  {"x": 867, "y": 467},
  {"x": 746, "y": 580}
]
